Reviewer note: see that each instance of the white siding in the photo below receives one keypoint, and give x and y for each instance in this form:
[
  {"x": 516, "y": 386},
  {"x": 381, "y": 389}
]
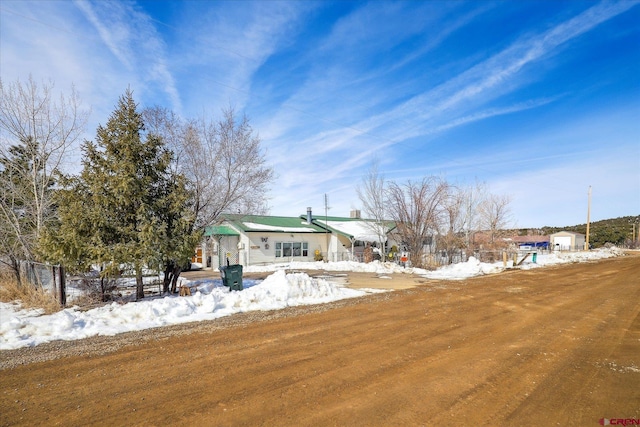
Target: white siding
[
  {"x": 567, "y": 241},
  {"x": 562, "y": 243},
  {"x": 257, "y": 251}
]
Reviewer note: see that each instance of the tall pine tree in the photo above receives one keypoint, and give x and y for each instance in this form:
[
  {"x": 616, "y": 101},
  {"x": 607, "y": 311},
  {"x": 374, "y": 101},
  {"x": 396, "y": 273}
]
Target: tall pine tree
[{"x": 126, "y": 209}]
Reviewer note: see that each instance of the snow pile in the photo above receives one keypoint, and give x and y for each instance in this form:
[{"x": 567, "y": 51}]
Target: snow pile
[
  {"x": 27, "y": 328},
  {"x": 571, "y": 257},
  {"x": 376, "y": 267},
  {"x": 473, "y": 267}
]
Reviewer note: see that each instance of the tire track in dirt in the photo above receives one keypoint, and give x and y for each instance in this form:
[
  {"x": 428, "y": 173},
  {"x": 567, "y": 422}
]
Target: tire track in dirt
[{"x": 527, "y": 347}]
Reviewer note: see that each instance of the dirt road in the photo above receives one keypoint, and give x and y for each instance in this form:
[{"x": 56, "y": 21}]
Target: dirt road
[{"x": 552, "y": 346}]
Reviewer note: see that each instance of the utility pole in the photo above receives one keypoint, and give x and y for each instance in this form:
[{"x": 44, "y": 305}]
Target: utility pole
[{"x": 586, "y": 243}]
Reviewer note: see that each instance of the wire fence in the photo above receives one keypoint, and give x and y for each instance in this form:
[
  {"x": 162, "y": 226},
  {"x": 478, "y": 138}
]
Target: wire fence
[
  {"x": 86, "y": 289},
  {"x": 50, "y": 278},
  {"x": 89, "y": 288}
]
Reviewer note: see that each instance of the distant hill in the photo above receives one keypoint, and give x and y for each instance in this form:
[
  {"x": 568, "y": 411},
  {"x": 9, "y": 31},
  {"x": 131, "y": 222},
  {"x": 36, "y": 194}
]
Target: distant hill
[{"x": 616, "y": 231}]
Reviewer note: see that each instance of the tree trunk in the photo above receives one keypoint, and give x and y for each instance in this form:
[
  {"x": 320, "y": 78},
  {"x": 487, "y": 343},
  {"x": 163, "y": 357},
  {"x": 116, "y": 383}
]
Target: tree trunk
[
  {"x": 15, "y": 266},
  {"x": 103, "y": 289},
  {"x": 166, "y": 281},
  {"x": 171, "y": 273},
  {"x": 139, "y": 284},
  {"x": 174, "y": 279},
  {"x": 415, "y": 256}
]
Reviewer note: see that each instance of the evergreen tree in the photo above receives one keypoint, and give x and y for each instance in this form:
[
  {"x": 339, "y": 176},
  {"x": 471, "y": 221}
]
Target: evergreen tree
[
  {"x": 179, "y": 235},
  {"x": 126, "y": 209}
]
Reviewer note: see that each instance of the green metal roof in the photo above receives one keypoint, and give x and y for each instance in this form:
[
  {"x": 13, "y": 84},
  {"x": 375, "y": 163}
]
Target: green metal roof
[{"x": 273, "y": 224}]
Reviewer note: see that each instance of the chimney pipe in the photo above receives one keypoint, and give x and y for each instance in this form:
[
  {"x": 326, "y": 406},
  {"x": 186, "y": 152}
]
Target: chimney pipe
[{"x": 309, "y": 216}]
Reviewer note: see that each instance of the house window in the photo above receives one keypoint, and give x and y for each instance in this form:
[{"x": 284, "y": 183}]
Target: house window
[{"x": 292, "y": 249}]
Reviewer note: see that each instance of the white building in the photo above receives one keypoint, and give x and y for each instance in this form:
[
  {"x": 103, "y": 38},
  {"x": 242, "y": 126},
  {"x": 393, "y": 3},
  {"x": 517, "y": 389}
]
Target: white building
[
  {"x": 259, "y": 239},
  {"x": 567, "y": 241}
]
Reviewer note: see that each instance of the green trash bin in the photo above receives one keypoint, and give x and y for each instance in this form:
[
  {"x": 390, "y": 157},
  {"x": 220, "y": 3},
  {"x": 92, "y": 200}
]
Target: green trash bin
[
  {"x": 535, "y": 257},
  {"x": 232, "y": 276}
]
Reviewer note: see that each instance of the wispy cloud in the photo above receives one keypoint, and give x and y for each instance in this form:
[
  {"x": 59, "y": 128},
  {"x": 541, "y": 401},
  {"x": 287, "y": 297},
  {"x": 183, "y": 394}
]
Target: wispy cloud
[
  {"x": 469, "y": 97},
  {"x": 226, "y": 47},
  {"x": 115, "y": 34},
  {"x": 493, "y": 77},
  {"x": 497, "y": 70},
  {"x": 475, "y": 117},
  {"x": 466, "y": 89},
  {"x": 131, "y": 37}
]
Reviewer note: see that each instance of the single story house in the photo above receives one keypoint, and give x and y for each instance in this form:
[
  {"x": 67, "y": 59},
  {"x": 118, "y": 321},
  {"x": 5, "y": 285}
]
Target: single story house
[
  {"x": 567, "y": 241},
  {"x": 261, "y": 239}
]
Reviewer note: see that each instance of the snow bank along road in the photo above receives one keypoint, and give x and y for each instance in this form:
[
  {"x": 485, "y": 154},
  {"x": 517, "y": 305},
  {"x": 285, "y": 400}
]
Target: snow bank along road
[{"x": 549, "y": 346}]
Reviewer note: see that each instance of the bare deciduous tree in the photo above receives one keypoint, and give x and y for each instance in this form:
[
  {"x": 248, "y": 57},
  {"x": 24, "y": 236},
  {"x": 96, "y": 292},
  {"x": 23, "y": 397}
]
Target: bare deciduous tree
[
  {"x": 165, "y": 123},
  {"x": 223, "y": 161},
  {"x": 37, "y": 132},
  {"x": 238, "y": 168},
  {"x": 495, "y": 213},
  {"x": 474, "y": 196},
  {"x": 416, "y": 208},
  {"x": 454, "y": 214},
  {"x": 372, "y": 195}
]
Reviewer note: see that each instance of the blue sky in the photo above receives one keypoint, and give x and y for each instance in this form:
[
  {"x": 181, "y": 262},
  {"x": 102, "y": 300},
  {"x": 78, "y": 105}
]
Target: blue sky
[{"x": 539, "y": 99}]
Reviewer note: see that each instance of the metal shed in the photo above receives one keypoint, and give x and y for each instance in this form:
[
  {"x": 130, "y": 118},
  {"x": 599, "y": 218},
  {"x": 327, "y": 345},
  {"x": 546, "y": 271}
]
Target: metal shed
[{"x": 567, "y": 241}]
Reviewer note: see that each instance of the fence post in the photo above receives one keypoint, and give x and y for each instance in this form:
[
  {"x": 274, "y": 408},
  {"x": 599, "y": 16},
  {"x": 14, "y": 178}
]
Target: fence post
[
  {"x": 63, "y": 286},
  {"x": 24, "y": 273},
  {"x": 56, "y": 282}
]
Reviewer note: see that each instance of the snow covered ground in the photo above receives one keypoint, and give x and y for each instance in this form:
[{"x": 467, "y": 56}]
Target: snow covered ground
[{"x": 28, "y": 328}]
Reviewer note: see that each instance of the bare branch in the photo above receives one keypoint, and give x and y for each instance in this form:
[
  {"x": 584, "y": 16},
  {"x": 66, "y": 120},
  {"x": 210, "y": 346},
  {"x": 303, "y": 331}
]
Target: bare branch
[
  {"x": 223, "y": 161},
  {"x": 495, "y": 213},
  {"x": 36, "y": 132},
  {"x": 416, "y": 207},
  {"x": 373, "y": 195}
]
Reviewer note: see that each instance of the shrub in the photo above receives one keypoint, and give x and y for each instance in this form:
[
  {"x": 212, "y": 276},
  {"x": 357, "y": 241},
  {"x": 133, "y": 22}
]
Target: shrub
[{"x": 28, "y": 295}]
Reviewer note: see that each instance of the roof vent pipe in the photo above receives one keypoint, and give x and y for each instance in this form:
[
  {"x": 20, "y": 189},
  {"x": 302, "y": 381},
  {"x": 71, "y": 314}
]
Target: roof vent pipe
[{"x": 309, "y": 216}]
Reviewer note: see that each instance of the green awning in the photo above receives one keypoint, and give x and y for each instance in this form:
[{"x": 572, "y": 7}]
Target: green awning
[{"x": 220, "y": 230}]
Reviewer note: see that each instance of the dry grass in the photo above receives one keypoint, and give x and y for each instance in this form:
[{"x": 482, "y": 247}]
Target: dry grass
[{"x": 29, "y": 296}]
